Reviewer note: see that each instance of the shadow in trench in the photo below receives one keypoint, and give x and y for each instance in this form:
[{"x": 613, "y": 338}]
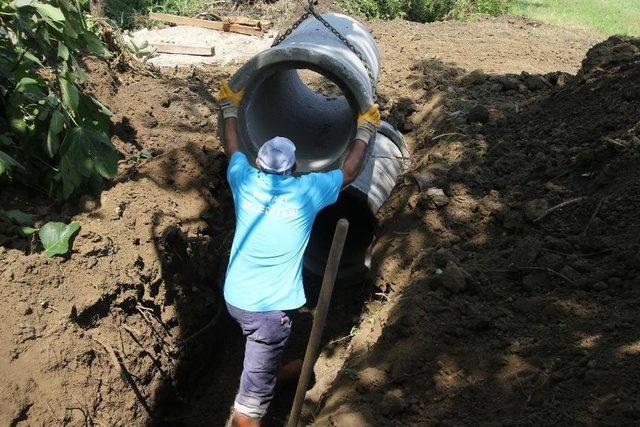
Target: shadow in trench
[{"x": 485, "y": 329}]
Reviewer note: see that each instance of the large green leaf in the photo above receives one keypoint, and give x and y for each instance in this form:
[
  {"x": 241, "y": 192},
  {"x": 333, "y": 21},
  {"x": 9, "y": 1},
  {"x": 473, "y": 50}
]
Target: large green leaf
[
  {"x": 17, "y": 217},
  {"x": 56, "y": 125},
  {"x": 94, "y": 45},
  {"x": 7, "y": 163},
  {"x": 103, "y": 109},
  {"x": 32, "y": 58},
  {"x": 31, "y": 88},
  {"x": 57, "y": 122},
  {"x": 55, "y": 237},
  {"x": 22, "y": 3},
  {"x": 105, "y": 159},
  {"x": 70, "y": 95},
  {"x": 53, "y": 143},
  {"x": 63, "y": 51},
  {"x": 48, "y": 11},
  {"x": 78, "y": 151}
]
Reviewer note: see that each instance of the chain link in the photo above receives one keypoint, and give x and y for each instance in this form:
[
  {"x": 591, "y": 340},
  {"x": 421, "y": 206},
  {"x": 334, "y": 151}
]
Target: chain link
[{"x": 310, "y": 11}]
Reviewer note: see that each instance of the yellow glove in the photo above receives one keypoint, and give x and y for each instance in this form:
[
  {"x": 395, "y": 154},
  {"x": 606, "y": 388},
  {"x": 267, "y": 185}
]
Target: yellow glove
[
  {"x": 229, "y": 100},
  {"x": 372, "y": 116},
  {"x": 368, "y": 123}
]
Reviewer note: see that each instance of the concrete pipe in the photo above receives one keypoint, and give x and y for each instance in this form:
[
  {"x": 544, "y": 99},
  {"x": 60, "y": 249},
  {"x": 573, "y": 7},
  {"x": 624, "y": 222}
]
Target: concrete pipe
[
  {"x": 277, "y": 102},
  {"x": 359, "y": 203}
]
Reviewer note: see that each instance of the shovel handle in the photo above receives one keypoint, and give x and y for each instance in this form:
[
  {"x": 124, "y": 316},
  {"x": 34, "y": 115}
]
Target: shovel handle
[{"x": 319, "y": 319}]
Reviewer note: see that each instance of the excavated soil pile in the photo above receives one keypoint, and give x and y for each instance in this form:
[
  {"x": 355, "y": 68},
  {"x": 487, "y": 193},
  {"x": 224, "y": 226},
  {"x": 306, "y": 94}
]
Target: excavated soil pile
[
  {"x": 486, "y": 303},
  {"x": 508, "y": 263}
]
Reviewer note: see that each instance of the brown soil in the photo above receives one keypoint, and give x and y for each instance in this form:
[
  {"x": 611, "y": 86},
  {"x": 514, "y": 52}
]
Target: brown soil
[{"x": 475, "y": 312}]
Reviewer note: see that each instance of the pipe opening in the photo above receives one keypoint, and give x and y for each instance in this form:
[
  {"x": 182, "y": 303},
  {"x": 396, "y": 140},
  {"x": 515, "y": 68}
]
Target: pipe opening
[
  {"x": 305, "y": 104},
  {"x": 353, "y": 206}
]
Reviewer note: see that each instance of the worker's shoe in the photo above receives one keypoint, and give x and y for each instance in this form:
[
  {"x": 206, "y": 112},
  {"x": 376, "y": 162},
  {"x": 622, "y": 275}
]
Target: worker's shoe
[{"x": 289, "y": 373}]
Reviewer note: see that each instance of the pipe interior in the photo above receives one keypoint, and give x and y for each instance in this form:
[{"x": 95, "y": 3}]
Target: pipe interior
[
  {"x": 353, "y": 206},
  {"x": 320, "y": 123}
]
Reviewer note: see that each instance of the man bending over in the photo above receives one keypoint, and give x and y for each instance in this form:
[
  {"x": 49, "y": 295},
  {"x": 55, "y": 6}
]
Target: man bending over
[{"x": 274, "y": 215}]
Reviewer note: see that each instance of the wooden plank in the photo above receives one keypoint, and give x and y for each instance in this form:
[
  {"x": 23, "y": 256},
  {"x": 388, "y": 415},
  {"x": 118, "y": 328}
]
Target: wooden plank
[
  {"x": 183, "y": 49},
  {"x": 241, "y": 20},
  {"x": 203, "y": 23}
]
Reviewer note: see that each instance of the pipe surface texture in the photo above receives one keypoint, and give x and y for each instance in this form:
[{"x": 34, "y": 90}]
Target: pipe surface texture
[{"x": 277, "y": 102}]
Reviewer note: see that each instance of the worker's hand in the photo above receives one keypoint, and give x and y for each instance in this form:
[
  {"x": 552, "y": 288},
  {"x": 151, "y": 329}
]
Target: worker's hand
[
  {"x": 368, "y": 124},
  {"x": 229, "y": 100}
]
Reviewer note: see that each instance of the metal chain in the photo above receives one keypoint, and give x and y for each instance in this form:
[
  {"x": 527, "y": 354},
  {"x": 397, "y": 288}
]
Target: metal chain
[
  {"x": 289, "y": 30},
  {"x": 310, "y": 11}
]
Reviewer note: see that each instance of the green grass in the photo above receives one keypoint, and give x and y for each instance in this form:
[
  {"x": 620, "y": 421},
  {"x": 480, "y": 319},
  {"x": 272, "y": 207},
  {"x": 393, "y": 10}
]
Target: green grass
[{"x": 605, "y": 16}]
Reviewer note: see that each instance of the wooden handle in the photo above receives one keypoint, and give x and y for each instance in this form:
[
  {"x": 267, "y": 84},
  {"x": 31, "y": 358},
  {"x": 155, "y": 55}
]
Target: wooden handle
[{"x": 319, "y": 319}]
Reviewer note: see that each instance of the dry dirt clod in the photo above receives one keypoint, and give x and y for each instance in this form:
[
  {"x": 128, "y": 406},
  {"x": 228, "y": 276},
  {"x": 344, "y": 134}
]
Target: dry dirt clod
[
  {"x": 534, "y": 82},
  {"x": 393, "y": 403},
  {"x": 534, "y": 209},
  {"x": 453, "y": 278},
  {"x": 148, "y": 120},
  {"x": 479, "y": 114},
  {"x": 508, "y": 83}
]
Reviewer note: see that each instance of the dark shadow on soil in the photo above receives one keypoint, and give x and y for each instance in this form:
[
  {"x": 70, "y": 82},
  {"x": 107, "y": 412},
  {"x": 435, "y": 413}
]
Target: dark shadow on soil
[{"x": 504, "y": 318}]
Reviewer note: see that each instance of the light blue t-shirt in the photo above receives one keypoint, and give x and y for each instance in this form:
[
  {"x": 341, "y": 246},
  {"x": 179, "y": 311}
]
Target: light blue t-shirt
[{"x": 274, "y": 216}]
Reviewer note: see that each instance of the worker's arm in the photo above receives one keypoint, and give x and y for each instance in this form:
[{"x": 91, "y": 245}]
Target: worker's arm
[
  {"x": 368, "y": 124},
  {"x": 229, "y": 102},
  {"x": 230, "y": 143}
]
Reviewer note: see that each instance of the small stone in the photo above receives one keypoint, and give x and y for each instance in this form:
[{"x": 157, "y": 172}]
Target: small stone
[
  {"x": 166, "y": 102},
  {"x": 478, "y": 114},
  {"x": 508, "y": 83},
  {"x": 535, "y": 82},
  {"x": 8, "y": 274},
  {"x": 88, "y": 203},
  {"x": 534, "y": 209},
  {"x": 437, "y": 197},
  {"x": 453, "y": 278},
  {"x": 600, "y": 286},
  {"x": 148, "y": 120},
  {"x": 476, "y": 77}
]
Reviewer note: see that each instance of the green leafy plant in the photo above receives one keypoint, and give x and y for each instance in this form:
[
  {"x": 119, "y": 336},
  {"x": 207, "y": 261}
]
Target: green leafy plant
[
  {"x": 54, "y": 236},
  {"x": 425, "y": 10},
  {"x": 17, "y": 221},
  {"x": 53, "y": 135},
  {"x": 141, "y": 50}
]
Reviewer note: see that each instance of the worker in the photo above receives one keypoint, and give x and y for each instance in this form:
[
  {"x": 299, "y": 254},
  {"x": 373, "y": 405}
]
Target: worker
[{"x": 275, "y": 211}]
